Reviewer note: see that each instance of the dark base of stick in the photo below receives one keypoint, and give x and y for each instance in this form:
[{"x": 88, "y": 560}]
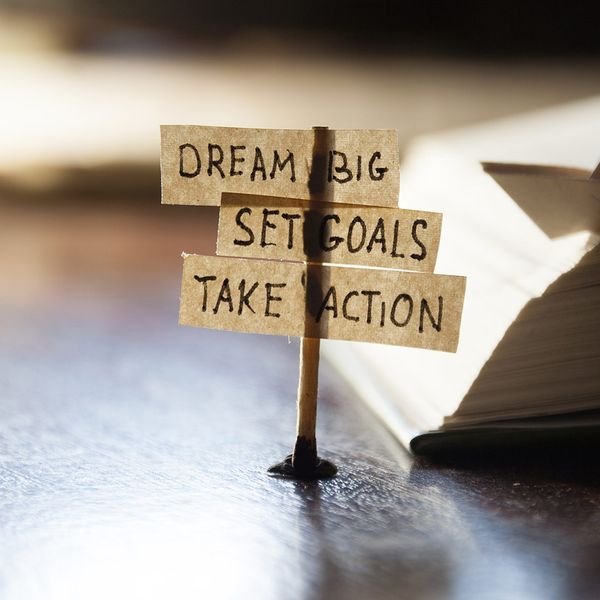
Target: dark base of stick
[{"x": 322, "y": 469}]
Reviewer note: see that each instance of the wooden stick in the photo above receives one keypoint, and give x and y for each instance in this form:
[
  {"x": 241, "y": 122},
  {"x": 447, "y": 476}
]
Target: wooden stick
[
  {"x": 304, "y": 457},
  {"x": 304, "y": 463},
  {"x": 305, "y": 450}
]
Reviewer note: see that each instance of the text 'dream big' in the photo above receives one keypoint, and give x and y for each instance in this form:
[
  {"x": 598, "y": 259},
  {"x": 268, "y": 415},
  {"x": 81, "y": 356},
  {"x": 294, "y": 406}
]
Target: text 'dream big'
[{"x": 199, "y": 163}]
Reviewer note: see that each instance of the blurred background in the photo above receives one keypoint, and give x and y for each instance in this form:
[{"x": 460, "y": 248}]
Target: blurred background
[{"x": 85, "y": 86}]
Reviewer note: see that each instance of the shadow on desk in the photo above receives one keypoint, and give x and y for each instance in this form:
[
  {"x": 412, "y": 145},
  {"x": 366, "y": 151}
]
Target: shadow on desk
[{"x": 566, "y": 456}]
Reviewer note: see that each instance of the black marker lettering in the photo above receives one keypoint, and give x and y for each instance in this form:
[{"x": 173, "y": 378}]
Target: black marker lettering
[
  {"x": 378, "y": 237},
  {"x": 339, "y": 169},
  {"x": 331, "y": 293},
  {"x": 224, "y": 296},
  {"x": 395, "y": 241},
  {"x": 369, "y": 294},
  {"x": 363, "y": 227},
  {"x": 377, "y": 173},
  {"x": 245, "y": 296},
  {"x": 290, "y": 218},
  {"x": 212, "y": 162},
  {"x": 345, "y": 307},
  {"x": 236, "y": 159},
  {"x": 182, "y": 171},
  {"x": 238, "y": 221},
  {"x": 270, "y": 298},
  {"x": 409, "y": 310},
  {"x": 419, "y": 243},
  {"x": 334, "y": 241},
  {"x": 259, "y": 165},
  {"x": 278, "y": 164},
  {"x": 425, "y": 309},
  {"x": 267, "y": 224},
  {"x": 203, "y": 281}
]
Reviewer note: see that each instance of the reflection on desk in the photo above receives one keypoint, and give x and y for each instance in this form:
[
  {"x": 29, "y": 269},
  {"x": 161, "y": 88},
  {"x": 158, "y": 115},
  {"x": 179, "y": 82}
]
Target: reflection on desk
[{"x": 133, "y": 458}]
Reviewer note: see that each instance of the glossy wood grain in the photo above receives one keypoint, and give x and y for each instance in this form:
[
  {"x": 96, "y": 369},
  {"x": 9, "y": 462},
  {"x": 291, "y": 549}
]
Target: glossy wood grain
[{"x": 133, "y": 455}]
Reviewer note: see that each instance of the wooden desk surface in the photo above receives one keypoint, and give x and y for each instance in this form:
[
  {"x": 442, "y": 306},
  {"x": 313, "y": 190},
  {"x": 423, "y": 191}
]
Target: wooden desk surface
[{"x": 133, "y": 452}]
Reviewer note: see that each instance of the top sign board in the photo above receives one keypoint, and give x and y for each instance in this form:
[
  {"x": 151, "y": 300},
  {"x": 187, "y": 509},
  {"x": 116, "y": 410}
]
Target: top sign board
[{"x": 199, "y": 163}]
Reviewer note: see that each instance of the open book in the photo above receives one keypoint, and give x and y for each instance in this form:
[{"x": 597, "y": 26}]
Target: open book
[{"x": 528, "y": 360}]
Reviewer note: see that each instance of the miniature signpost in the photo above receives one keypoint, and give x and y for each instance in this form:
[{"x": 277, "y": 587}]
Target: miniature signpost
[{"x": 291, "y": 201}]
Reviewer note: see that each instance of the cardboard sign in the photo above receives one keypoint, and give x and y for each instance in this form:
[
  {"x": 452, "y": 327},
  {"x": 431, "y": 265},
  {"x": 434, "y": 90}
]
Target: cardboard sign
[
  {"x": 369, "y": 305},
  {"x": 250, "y": 296},
  {"x": 421, "y": 310},
  {"x": 199, "y": 163},
  {"x": 286, "y": 229}
]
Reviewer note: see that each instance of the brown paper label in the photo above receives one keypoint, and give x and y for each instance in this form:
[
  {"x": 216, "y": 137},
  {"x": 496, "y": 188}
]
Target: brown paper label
[
  {"x": 286, "y": 229},
  {"x": 356, "y": 166},
  {"x": 422, "y": 310},
  {"x": 250, "y": 296}
]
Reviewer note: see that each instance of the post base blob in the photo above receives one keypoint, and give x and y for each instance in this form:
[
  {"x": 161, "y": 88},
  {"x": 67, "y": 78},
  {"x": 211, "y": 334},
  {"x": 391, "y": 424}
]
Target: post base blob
[{"x": 322, "y": 469}]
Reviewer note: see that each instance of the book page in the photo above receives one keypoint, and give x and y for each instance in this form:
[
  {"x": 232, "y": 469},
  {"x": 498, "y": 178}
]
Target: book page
[{"x": 507, "y": 258}]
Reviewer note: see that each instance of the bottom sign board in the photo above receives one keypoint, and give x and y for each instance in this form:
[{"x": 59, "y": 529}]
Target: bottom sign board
[{"x": 420, "y": 310}]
